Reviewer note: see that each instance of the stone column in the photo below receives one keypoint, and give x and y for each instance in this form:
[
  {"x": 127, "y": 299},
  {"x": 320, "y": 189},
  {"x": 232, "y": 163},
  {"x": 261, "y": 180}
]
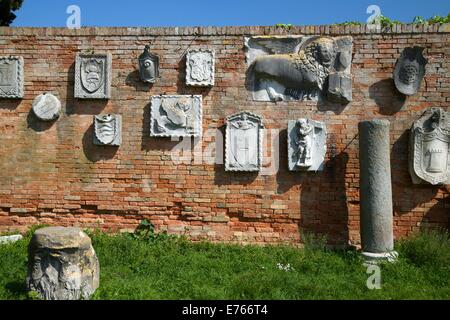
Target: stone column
[{"x": 375, "y": 191}]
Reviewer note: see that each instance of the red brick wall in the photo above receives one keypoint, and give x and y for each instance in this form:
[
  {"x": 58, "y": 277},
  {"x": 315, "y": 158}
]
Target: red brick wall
[{"x": 53, "y": 174}]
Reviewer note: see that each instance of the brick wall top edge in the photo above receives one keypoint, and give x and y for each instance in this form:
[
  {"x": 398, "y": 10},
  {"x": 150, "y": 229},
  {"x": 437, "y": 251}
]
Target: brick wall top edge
[{"x": 213, "y": 31}]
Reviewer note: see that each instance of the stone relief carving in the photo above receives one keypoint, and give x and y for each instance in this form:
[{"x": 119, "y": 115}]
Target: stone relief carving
[
  {"x": 306, "y": 145},
  {"x": 148, "y": 66},
  {"x": 46, "y": 107},
  {"x": 11, "y": 77},
  {"x": 410, "y": 70},
  {"x": 62, "y": 264},
  {"x": 93, "y": 76},
  {"x": 429, "y": 155},
  {"x": 176, "y": 116},
  {"x": 108, "y": 129},
  {"x": 200, "y": 66},
  {"x": 243, "y": 142},
  {"x": 284, "y": 68}
]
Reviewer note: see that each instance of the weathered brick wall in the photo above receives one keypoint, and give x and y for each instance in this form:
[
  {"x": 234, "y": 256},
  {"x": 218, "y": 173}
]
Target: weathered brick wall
[{"x": 53, "y": 174}]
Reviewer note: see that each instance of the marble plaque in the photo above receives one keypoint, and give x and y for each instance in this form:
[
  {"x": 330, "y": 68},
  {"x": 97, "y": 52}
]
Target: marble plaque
[
  {"x": 11, "y": 77},
  {"x": 46, "y": 107},
  {"x": 429, "y": 149},
  {"x": 307, "y": 145},
  {"x": 200, "y": 65},
  {"x": 176, "y": 116},
  {"x": 243, "y": 142},
  {"x": 148, "y": 66},
  {"x": 93, "y": 76},
  {"x": 410, "y": 70},
  {"x": 108, "y": 129},
  {"x": 285, "y": 68}
]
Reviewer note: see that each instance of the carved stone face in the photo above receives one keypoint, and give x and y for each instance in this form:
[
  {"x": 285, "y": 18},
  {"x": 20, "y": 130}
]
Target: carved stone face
[{"x": 326, "y": 52}]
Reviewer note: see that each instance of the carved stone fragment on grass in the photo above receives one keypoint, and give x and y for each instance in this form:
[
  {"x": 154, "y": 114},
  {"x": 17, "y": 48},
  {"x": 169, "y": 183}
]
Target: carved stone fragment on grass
[{"x": 62, "y": 264}]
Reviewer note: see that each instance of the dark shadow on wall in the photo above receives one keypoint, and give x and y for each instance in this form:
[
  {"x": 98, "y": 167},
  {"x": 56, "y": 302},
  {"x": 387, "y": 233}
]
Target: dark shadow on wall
[
  {"x": 10, "y": 104},
  {"x": 405, "y": 195},
  {"x": 323, "y": 202},
  {"x": 81, "y": 106},
  {"x": 94, "y": 152},
  {"x": 38, "y": 125},
  {"x": 439, "y": 214},
  {"x": 387, "y": 97},
  {"x": 134, "y": 80}
]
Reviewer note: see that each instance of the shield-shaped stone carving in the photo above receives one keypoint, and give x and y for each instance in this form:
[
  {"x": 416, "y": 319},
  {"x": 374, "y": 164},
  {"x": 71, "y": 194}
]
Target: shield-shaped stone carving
[
  {"x": 243, "y": 145},
  {"x": 92, "y": 74},
  {"x": 410, "y": 70},
  {"x": 107, "y": 129},
  {"x": 430, "y": 148},
  {"x": 148, "y": 66}
]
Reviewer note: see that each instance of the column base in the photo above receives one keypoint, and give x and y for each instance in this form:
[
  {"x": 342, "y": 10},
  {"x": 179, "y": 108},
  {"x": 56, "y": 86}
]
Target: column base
[{"x": 374, "y": 258}]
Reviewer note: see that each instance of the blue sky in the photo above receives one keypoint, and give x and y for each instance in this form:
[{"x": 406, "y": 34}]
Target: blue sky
[{"x": 52, "y": 13}]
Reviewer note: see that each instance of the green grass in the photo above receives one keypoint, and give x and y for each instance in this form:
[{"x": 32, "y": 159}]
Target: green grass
[{"x": 168, "y": 268}]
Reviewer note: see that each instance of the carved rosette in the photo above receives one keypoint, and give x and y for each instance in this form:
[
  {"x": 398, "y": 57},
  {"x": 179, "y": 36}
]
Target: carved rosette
[
  {"x": 244, "y": 142},
  {"x": 176, "y": 116},
  {"x": 93, "y": 76},
  {"x": 429, "y": 159},
  {"x": 307, "y": 145},
  {"x": 11, "y": 77},
  {"x": 200, "y": 67},
  {"x": 108, "y": 129}
]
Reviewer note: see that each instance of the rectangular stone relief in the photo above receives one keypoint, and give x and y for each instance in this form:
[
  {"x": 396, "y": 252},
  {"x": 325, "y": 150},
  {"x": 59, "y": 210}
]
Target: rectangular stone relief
[
  {"x": 200, "y": 65},
  {"x": 243, "y": 142},
  {"x": 286, "y": 68},
  {"x": 93, "y": 76},
  {"x": 108, "y": 129},
  {"x": 176, "y": 116},
  {"x": 11, "y": 77},
  {"x": 307, "y": 145}
]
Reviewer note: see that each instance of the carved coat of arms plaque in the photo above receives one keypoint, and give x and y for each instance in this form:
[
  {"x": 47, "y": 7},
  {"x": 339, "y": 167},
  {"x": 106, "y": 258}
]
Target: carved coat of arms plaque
[
  {"x": 200, "y": 65},
  {"x": 410, "y": 70},
  {"x": 176, "y": 116},
  {"x": 429, "y": 159},
  {"x": 307, "y": 145},
  {"x": 11, "y": 77},
  {"x": 148, "y": 66},
  {"x": 93, "y": 76},
  {"x": 243, "y": 142},
  {"x": 108, "y": 129}
]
